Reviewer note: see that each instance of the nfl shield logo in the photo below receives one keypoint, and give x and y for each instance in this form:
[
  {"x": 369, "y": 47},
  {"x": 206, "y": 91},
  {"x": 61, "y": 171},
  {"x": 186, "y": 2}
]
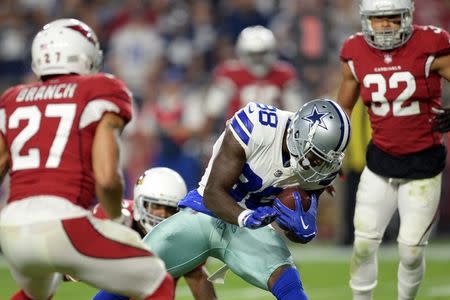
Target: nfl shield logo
[{"x": 387, "y": 58}]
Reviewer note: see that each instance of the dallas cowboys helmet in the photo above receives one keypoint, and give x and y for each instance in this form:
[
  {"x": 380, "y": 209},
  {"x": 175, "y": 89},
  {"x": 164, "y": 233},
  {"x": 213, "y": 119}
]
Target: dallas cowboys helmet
[
  {"x": 387, "y": 39},
  {"x": 256, "y": 48},
  {"x": 317, "y": 137},
  {"x": 65, "y": 46},
  {"x": 162, "y": 186}
]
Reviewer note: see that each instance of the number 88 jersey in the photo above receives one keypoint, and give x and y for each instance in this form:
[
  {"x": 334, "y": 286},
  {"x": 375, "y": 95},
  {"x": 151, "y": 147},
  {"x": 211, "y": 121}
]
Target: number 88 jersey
[
  {"x": 399, "y": 88},
  {"x": 49, "y": 127},
  {"x": 260, "y": 129}
]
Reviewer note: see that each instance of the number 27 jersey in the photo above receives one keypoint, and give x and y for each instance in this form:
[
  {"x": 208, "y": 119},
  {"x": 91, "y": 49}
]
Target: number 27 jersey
[
  {"x": 399, "y": 88},
  {"x": 49, "y": 127}
]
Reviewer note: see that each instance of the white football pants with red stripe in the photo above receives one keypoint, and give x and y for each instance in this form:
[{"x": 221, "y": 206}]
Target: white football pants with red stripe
[{"x": 45, "y": 236}]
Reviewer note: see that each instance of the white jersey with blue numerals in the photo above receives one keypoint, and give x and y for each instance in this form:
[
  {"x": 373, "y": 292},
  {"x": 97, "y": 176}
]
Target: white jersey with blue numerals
[{"x": 259, "y": 129}]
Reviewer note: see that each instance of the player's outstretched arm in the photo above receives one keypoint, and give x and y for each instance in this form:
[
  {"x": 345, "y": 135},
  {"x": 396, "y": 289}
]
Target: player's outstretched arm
[
  {"x": 348, "y": 90},
  {"x": 201, "y": 288},
  {"x": 225, "y": 172},
  {"x": 105, "y": 163},
  {"x": 4, "y": 159}
]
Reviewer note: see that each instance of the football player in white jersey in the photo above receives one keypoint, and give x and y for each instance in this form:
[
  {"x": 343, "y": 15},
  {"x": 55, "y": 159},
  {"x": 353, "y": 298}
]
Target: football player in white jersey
[{"x": 262, "y": 150}]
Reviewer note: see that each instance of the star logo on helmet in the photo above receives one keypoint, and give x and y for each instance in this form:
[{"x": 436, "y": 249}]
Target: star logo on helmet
[{"x": 316, "y": 116}]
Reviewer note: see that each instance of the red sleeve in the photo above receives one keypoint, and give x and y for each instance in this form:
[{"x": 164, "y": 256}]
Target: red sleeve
[
  {"x": 442, "y": 42},
  {"x": 347, "y": 50},
  {"x": 7, "y": 94},
  {"x": 107, "y": 87}
]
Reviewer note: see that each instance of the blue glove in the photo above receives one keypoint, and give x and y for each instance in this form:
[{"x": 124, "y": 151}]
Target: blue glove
[
  {"x": 104, "y": 295},
  {"x": 260, "y": 217},
  {"x": 302, "y": 224}
]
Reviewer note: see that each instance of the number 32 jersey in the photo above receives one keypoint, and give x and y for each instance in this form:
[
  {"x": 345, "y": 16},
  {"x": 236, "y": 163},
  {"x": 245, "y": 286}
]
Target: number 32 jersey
[
  {"x": 259, "y": 129},
  {"x": 399, "y": 88},
  {"x": 49, "y": 128}
]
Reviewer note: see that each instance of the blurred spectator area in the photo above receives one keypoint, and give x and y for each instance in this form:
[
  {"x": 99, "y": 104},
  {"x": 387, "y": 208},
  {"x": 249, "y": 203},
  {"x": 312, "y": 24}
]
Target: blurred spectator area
[{"x": 165, "y": 50}]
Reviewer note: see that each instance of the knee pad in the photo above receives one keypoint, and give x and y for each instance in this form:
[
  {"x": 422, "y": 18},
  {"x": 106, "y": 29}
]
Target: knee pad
[
  {"x": 410, "y": 256},
  {"x": 364, "y": 249}
]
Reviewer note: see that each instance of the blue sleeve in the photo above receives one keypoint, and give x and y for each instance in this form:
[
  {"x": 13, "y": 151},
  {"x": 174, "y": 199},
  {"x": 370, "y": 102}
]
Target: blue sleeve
[{"x": 104, "y": 295}]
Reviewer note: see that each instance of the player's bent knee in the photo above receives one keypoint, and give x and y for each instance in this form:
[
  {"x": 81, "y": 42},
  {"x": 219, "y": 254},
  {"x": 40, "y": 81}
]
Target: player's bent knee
[
  {"x": 289, "y": 286},
  {"x": 364, "y": 248},
  {"x": 166, "y": 291},
  {"x": 411, "y": 256}
]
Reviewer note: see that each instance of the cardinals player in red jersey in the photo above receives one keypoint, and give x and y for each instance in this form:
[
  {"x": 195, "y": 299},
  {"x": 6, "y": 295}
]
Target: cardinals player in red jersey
[
  {"x": 257, "y": 75},
  {"x": 59, "y": 144},
  {"x": 156, "y": 196},
  {"x": 397, "y": 68}
]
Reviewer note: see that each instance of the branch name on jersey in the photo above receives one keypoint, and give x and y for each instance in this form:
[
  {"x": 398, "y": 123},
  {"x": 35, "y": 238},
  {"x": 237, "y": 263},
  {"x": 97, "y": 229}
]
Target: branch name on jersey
[{"x": 50, "y": 142}]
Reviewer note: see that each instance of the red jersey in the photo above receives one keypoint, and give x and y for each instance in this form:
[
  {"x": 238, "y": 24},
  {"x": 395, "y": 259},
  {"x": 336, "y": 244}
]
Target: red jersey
[
  {"x": 250, "y": 88},
  {"x": 399, "y": 89},
  {"x": 49, "y": 127}
]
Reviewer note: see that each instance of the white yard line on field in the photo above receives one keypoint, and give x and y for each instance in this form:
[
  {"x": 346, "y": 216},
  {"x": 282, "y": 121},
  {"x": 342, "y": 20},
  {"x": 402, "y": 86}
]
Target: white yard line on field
[{"x": 320, "y": 253}]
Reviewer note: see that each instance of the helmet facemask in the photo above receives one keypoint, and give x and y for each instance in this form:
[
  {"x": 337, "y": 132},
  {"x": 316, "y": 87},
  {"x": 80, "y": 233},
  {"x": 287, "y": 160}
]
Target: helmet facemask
[
  {"x": 309, "y": 162},
  {"x": 145, "y": 207},
  {"x": 258, "y": 62}
]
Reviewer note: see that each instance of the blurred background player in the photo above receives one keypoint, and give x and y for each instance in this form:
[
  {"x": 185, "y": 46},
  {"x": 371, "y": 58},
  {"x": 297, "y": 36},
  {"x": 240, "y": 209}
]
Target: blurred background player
[
  {"x": 156, "y": 196},
  {"x": 262, "y": 150},
  {"x": 397, "y": 68},
  {"x": 59, "y": 143},
  {"x": 256, "y": 74}
]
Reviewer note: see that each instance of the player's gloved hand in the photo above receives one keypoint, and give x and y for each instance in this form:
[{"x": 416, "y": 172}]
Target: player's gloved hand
[
  {"x": 260, "y": 217},
  {"x": 302, "y": 224},
  {"x": 442, "y": 120}
]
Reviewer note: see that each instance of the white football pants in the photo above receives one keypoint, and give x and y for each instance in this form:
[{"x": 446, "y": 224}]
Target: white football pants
[
  {"x": 46, "y": 236},
  {"x": 376, "y": 201}
]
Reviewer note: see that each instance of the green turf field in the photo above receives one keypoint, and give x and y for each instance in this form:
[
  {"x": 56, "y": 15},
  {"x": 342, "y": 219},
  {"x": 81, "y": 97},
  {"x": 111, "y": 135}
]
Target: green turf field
[{"x": 324, "y": 271}]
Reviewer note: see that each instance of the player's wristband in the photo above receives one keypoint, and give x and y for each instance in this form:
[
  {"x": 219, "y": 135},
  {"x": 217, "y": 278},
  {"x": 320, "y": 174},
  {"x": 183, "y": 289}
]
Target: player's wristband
[{"x": 243, "y": 216}]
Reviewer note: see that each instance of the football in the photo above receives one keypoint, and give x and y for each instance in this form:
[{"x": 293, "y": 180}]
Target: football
[{"x": 287, "y": 197}]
